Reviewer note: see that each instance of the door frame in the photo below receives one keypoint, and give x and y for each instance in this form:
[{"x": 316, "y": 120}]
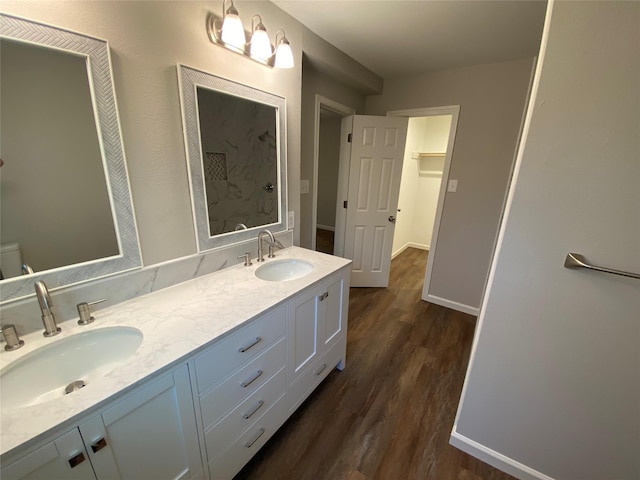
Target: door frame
[
  {"x": 343, "y": 110},
  {"x": 454, "y": 111}
]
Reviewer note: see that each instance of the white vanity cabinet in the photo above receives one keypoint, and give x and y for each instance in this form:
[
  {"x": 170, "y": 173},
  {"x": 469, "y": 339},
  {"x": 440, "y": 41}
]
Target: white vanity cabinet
[
  {"x": 240, "y": 388},
  {"x": 149, "y": 433},
  {"x": 246, "y": 386},
  {"x": 317, "y": 340}
]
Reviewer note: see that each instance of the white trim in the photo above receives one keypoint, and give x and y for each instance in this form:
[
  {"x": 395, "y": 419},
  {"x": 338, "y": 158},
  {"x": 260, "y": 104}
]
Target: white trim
[
  {"x": 483, "y": 452},
  {"x": 419, "y": 246},
  {"x": 461, "y": 307},
  {"x": 495, "y": 459},
  {"x": 333, "y": 106}
]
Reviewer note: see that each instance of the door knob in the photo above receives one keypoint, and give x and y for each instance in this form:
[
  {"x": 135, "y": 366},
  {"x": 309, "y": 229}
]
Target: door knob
[{"x": 392, "y": 219}]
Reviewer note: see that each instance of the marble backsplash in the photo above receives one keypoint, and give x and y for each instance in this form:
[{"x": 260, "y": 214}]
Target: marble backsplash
[{"x": 25, "y": 313}]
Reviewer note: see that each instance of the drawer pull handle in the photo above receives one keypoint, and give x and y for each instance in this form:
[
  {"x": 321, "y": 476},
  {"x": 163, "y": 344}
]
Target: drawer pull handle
[
  {"x": 76, "y": 460},
  {"x": 98, "y": 445},
  {"x": 249, "y": 414},
  {"x": 322, "y": 368},
  {"x": 323, "y": 296},
  {"x": 250, "y": 443},
  {"x": 255, "y": 342},
  {"x": 249, "y": 381}
]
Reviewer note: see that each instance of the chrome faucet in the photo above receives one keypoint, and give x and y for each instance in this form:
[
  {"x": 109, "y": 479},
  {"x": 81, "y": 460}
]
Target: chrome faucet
[
  {"x": 272, "y": 243},
  {"x": 46, "y": 308}
]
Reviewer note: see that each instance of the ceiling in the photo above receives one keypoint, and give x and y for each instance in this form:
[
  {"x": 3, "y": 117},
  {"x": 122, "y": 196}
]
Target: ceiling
[{"x": 404, "y": 37}]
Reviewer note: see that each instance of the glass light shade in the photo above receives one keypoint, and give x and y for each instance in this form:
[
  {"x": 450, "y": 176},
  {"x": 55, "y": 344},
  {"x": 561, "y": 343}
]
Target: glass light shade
[
  {"x": 260, "y": 45},
  {"x": 233, "y": 31},
  {"x": 284, "y": 56}
]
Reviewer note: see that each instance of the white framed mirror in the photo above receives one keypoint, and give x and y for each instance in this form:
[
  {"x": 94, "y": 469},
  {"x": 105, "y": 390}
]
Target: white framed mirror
[
  {"x": 66, "y": 206},
  {"x": 235, "y": 138}
]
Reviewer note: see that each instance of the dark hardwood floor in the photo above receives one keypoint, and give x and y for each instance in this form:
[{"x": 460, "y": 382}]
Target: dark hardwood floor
[
  {"x": 389, "y": 414},
  {"x": 324, "y": 241}
]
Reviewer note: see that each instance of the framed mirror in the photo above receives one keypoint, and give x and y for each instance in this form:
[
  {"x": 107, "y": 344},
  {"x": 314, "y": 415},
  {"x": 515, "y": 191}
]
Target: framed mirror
[
  {"x": 235, "y": 138},
  {"x": 65, "y": 202}
]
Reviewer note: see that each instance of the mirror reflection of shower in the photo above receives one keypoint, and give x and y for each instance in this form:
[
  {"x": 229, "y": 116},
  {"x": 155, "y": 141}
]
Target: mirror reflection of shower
[{"x": 238, "y": 140}]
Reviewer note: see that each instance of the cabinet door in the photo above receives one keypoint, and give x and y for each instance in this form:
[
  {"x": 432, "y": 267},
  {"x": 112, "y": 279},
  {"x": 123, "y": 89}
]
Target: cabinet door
[
  {"x": 64, "y": 458},
  {"x": 303, "y": 327},
  {"x": 332, "y": 312},
  {"x": 150, "y": 434}
]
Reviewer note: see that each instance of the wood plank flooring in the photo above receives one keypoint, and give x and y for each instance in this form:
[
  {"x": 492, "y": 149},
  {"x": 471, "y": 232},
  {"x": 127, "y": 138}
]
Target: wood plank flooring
[{"x": 389, "y": 414}]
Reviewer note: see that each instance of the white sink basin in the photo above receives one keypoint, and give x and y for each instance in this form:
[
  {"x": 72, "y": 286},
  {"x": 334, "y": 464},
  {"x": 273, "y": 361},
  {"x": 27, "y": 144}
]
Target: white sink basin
[
  {"x": 281, "y": 270},
  {"x": 43, "y": 374}
]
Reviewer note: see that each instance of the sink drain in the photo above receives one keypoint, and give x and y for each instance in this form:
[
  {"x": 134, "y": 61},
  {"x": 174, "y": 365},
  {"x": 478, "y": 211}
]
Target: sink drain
[{"x": 73, "y": 386}]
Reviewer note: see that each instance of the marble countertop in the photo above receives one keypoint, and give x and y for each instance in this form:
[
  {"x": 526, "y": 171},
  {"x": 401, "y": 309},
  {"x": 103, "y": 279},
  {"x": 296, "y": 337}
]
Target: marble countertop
[{"x": 176, "y": 322}]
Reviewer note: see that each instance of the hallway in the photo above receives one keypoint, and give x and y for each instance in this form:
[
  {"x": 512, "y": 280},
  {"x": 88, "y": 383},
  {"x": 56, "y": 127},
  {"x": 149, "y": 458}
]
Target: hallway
[{"x": 389, "y": 414}]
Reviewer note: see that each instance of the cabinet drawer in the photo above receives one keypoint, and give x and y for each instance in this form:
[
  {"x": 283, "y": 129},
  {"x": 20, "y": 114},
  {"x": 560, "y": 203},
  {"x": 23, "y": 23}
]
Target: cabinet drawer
[
  {"x": 239, "y": 347},
  {"x": 245, "y": 415},
  {"x": 215, "y": 403},
  {"x": 229, "y": 462},
  {"x": 309, "y": 380}
]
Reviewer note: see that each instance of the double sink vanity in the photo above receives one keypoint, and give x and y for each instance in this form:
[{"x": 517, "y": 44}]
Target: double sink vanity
[
  {"x": 186, "y": 382},
  {"x": 191, "y": 365}
]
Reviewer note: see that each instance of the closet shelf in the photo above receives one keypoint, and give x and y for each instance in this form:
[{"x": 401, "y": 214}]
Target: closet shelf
[{"x": 418, "y": 155}]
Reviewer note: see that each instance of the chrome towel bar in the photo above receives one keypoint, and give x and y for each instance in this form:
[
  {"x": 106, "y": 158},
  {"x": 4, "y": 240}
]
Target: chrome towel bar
[{"x": 575, "y": 260}]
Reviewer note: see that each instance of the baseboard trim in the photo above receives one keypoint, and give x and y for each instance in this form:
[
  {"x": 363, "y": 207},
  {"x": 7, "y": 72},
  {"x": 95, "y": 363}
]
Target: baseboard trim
[
  {"x": 461, "y": 307},
  {"x": 495, "y": 459},
  {"x": 325, "y": 227},
  {"x": 419, "y": 246}
]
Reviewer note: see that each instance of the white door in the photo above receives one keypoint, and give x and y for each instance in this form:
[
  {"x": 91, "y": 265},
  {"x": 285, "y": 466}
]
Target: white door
[
  {"x": 375, "y": 167},
  {"x": 553, "y": 387}
]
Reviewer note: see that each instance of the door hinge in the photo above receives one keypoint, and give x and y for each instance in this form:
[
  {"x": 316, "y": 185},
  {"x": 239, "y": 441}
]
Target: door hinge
[
  {"x": 349, "y": 137},
  {"x": 344, "y": 204}
]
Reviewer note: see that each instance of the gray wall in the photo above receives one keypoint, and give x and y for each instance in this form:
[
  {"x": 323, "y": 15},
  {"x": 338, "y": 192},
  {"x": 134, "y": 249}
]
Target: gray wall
[
  {"x": 49, "y": 142},
  {"x": 492, "y": 99},
  {"x": 328, "y": 163},
  {"x": 147, "y": 40},
  {"x": 318, "y": 83},
  {"x": 554, "y": 380}
]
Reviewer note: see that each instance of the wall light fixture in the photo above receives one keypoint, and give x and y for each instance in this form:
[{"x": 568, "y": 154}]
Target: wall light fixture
[{"x": 230, "y": 33}]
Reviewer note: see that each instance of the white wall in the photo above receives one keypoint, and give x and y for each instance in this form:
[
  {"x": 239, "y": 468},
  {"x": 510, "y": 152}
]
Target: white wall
[
  {"x": 492, "y": 99},
  {"x": 418, "y": 198},
  {"x": 147, "y": 40},
  {"x": 553, "y": 387}
]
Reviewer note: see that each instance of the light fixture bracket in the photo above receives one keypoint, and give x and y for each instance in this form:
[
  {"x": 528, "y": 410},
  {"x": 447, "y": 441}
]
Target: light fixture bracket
[{"x": 214, "y": 31}]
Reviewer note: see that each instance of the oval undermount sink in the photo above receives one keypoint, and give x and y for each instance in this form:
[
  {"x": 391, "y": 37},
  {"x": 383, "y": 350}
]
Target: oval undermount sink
[
  {"x": 73, "y": 362},
  {"x": 281, "y": 270}
]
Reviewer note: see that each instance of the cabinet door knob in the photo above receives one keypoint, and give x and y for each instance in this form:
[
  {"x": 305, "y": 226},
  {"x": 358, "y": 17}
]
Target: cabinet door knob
[
  {"x": 323, "y": 296},
  {"x": 98, "y": 445},
  {"x": 76, "y": 460}
]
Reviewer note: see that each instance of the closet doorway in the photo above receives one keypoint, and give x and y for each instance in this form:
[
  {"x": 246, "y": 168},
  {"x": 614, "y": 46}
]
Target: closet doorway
[
  {"x": 425, "y": 178},
  {"x": 328, "y": 119}
]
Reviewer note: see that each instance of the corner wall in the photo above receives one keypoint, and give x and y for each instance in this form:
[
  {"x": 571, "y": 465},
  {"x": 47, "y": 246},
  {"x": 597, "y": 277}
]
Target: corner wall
[{"x": 492, "y": 99}]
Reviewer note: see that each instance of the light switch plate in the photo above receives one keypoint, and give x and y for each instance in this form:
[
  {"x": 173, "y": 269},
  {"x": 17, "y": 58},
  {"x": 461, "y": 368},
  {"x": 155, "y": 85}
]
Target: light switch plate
[
  {"x": 304, "y": 186},
  {"x": 291, "y": 223},
  {"x": 452, "y": 186}
]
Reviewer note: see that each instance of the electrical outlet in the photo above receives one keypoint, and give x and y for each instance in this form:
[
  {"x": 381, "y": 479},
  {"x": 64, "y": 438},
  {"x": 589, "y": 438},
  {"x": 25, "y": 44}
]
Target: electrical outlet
[
  {"x": 292, "y": 218},
  {"x": 304, "y": 186},
  {"x": 452, "y": 186}
]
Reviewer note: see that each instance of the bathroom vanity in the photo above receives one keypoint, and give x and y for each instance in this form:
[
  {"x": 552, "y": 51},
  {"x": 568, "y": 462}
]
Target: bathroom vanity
[{"x": 224, "y": 360}]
